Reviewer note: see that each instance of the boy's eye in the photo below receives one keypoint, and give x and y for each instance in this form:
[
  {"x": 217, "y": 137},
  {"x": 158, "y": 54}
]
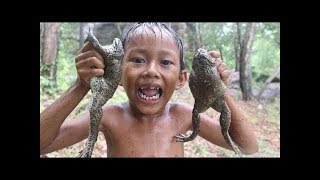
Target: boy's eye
[
  {"x": 137, "y": 60},
  {"x": 166, "y": 62}
]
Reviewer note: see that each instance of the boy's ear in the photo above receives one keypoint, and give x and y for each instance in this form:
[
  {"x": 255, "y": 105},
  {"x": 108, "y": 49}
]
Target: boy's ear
[{"x": 182, "y": 79}]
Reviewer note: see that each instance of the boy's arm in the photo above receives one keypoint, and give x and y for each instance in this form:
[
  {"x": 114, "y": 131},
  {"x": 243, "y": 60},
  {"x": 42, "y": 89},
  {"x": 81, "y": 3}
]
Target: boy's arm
[
  {"x": 54, "y": 134},
  {"x": 240, "y": 129},
  {"x": 52, "y": 118}
]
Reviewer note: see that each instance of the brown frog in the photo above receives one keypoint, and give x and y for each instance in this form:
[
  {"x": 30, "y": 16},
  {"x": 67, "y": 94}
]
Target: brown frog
[
  {"x": 102, "y": 87},
  {"x": 208, "y": 91}
]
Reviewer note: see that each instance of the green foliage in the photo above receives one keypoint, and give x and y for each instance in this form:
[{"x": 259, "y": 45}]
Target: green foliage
[
  {"x": 219, "y": 36},
  {"x": 68, "y": 46},
  {"x": 201, "y": 150},
  {"x": 119, "y": 96},
  {"x": 265, "y": 55},
  {"x": 273, "y": 110},
  {"x": 47, "y": 85},
  {"x": 271, "y": 31}
]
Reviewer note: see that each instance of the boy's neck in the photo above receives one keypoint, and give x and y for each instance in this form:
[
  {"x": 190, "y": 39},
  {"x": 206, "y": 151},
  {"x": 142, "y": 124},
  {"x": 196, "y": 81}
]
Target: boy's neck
[{"x": 146, "y": 117}]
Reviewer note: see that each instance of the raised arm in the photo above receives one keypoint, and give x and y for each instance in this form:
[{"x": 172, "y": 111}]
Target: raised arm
[
  {"x": 52, "y": 118},
  {"x": 54, "y": 133}
]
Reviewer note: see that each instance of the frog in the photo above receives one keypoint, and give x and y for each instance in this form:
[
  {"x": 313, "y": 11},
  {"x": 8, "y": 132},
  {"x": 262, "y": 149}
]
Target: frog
[
  {"x": 102, "y": 87},
  {"x": 208, "y": 91}
]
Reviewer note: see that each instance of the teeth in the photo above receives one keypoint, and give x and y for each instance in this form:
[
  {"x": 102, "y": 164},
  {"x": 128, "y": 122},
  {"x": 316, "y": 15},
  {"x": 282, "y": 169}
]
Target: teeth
[
  {"x": 143, "y": 96},
  {"x": 151, "y": 88}
]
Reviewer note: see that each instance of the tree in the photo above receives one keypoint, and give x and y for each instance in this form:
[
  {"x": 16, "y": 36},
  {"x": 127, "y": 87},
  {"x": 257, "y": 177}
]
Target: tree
[
  {"x": 49, "y": 40},
  {"x": 268, "y": 81},
  {"x": 181, "y": 29},
  {"x": 236, "y": 45},
  {"x": 272, "y": 30},
  {"x": 245, "y": 41},
  {"x": 197, "y": 33}
]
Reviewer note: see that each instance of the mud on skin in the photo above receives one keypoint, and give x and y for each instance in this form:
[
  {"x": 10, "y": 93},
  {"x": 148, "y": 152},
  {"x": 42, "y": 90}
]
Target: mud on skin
[
  {"x": 208, "y": 91},
  {"x": 103, "y": 88}
]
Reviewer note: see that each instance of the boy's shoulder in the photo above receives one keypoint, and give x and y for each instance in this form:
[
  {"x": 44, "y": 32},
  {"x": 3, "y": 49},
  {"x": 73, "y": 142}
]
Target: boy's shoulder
[
  {"x": 114, "y": 108},
  {"x": 114, "y": 111}
]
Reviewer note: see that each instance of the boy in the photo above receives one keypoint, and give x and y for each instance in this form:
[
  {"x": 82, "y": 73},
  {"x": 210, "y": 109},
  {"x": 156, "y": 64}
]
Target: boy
[{"x": 153, "y": 68}]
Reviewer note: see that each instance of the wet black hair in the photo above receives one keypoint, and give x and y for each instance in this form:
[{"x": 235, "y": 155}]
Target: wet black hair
[{"x": 127, "y": 35}]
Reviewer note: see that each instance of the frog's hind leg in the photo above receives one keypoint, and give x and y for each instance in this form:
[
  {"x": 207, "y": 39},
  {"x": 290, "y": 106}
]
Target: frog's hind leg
[
  {"x": 196, "y": 127},
  {"x": 95, "y": 118},
  {"x": 225, "y": 120},
  {"x": 98, "y": 100}
]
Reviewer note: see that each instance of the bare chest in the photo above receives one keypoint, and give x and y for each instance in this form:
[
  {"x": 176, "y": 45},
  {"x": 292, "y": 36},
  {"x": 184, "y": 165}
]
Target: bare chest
[{"x": 145, "y": 141}]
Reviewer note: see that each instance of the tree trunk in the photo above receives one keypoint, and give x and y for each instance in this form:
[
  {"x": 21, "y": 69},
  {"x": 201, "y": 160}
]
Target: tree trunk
[
  {"x": 236, "y": 45},
  {"x": 49, "y": 48},
  {"x": 181, "y": 29},
  {"x": 84, "y": 28},
  {"x": 41, "y": 35},
  {"x": 245, "y": 51},
  {"x": 197, "y": 40},
  {"x": 268, "y": 81}
]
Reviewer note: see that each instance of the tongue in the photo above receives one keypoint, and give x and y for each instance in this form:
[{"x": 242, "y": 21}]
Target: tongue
[{"x": 149, "y": 92}]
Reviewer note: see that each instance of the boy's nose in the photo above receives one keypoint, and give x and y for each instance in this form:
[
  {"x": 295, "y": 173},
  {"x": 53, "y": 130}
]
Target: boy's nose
[{"x": 151, "y": 71}]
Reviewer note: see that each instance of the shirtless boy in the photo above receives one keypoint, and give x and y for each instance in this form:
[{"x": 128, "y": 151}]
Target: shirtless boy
[{"x": 145, "y": 126}]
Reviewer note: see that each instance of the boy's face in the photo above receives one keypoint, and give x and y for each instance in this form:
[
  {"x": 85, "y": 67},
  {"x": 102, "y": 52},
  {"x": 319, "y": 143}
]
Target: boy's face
[{"x": 151, "y": 71}]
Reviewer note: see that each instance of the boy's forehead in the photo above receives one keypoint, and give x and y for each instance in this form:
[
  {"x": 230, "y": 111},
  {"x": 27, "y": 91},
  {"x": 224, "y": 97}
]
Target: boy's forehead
[{"x": 156, "y": 34}]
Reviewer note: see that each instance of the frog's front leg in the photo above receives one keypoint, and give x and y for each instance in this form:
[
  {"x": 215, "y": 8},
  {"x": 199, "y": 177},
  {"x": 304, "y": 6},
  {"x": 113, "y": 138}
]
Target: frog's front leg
[{"x": 195, "y": 124}]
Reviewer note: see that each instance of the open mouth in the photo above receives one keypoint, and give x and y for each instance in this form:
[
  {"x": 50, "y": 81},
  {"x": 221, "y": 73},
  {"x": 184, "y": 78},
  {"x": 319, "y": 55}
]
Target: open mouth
[{"x": 152, "y": 92}]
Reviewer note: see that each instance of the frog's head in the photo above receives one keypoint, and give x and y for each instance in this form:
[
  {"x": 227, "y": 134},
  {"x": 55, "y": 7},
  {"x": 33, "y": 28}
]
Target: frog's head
[
  {"x": 203, "y": 58},
  {"x": 117, "y": 46}
]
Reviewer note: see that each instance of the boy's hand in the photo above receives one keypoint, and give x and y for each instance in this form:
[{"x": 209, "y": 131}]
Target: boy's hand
[
  {"x": 221, "y": 67},
  {"x": 89, "y": 63}
]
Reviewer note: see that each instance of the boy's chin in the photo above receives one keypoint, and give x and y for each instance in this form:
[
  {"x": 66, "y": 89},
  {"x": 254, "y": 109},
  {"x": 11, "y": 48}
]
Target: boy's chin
[{"x": 150, "y": 110}]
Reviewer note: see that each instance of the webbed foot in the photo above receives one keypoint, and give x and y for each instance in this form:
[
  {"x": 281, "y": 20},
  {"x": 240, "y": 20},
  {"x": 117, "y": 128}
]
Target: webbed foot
[{"x": 185, "y": 137}]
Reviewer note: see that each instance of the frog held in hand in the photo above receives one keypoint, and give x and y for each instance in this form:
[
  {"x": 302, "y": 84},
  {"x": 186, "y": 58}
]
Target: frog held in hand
[{"x": 208, "y": 91}]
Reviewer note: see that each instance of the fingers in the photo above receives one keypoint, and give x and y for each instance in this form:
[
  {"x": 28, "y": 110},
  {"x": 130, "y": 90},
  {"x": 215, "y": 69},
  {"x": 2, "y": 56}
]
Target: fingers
[
  {"x": 221, "y": 67},
  {"x": 92, "y": 62},
  {"x": 225, "y": 76},
  {"x": 88, "y": 54},
  {"x": 215, "y": 54},
  {"x": 91, "y": 72},
  {"x": 89, "y": 63},
  {"x": 87, "y": 47},
  {"x": 218, "y": 62}
]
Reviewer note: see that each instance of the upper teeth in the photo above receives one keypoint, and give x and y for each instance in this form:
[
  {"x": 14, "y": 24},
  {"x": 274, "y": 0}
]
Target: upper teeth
[{"x": 152, "y": 88}]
